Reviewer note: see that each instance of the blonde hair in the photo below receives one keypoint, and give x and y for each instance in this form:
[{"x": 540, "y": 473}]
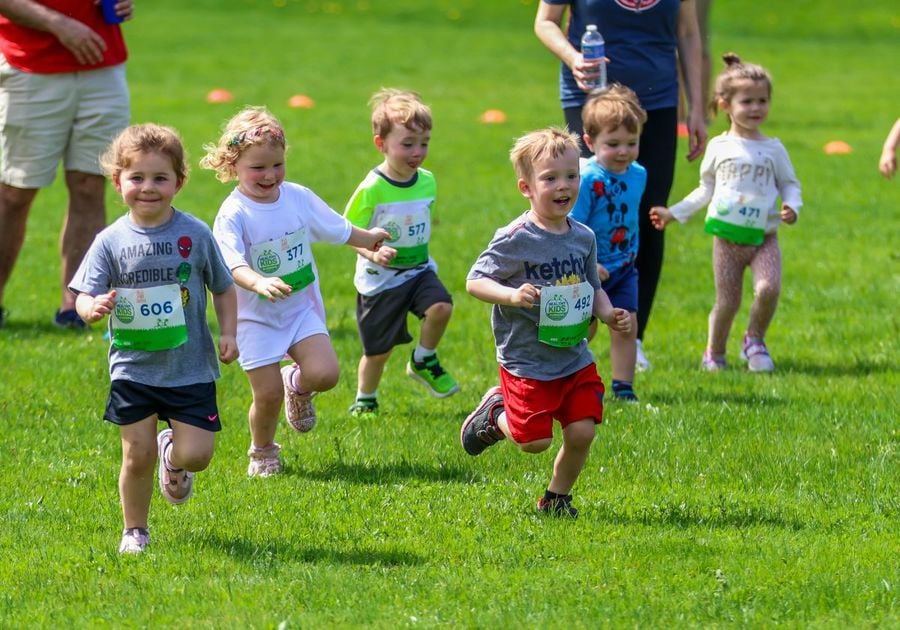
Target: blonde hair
[
  {"x": 391, "y": 106},
  {"x": 610, "y": 108},
  {"x": 551, "y": 142},
  {"x": 142, "y": 139},
  {"x": 734, "y": 72},
  {"x": 252, "y": 126}
]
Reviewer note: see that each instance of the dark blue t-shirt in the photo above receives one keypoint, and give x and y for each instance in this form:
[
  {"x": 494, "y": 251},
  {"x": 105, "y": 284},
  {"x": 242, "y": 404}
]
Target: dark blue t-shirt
[{"x": 641, "y": 42}]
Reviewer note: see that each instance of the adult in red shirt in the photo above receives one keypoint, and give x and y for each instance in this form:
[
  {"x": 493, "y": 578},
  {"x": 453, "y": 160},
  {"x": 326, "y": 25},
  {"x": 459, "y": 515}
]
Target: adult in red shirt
[{"x": 63, "y": 97}]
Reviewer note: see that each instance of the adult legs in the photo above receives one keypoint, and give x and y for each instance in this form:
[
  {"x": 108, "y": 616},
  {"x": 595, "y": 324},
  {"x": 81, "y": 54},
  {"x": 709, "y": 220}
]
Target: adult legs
[
  {"x": 85, "y": 217},
  {"x": 14, "y": 206}
]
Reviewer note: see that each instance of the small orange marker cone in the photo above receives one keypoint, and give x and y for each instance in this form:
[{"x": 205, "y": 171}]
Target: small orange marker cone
[
  {"x": 837, "y": 147},
  {"x": 219, "y": 96},
  {"x": 683, "y": 131},
  {"x": 493, "y": 117},
  {"x": 302, "y": 101}
]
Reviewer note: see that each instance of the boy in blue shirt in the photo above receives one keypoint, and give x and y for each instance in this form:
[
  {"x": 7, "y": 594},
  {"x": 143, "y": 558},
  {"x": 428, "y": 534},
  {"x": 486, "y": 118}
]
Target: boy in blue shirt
[{"x": 609, "y": 196}]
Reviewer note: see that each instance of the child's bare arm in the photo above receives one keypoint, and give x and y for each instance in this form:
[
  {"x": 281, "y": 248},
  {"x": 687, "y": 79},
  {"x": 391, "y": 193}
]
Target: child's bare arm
[
  {"x": 93, "y": 308},
  {"x": 493, "y": 292},
  {"x": 617, "y": 319},
  {"x": 660, "y": 217},
  {"x": 370, "y": 240},
  {"x": 270, "y": 288},
  {"x": 225, "y": 304}
]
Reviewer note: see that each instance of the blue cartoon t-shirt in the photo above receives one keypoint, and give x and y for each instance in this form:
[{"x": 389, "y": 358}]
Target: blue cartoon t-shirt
[{"x": 608, "y": 203}]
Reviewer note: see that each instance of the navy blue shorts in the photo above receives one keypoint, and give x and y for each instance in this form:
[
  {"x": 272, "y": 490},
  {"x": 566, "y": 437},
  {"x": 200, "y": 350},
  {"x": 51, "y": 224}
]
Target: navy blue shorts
[
  {"x": 622, "y": 288},
  {"x": 131, "y": 402},
  {"x": 382, "y": 317}
]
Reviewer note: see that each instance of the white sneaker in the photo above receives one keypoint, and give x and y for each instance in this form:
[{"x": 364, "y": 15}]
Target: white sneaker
[
  {"x": 641, "y": 363},
  {"x": 134, "y": 540},
  {"x": 756, "y": 354},
  {"x": 265, "y": 461}
]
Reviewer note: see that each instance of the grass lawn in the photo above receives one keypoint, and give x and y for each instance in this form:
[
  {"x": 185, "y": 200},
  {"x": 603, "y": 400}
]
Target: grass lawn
[{"x": 721, "y": 500}]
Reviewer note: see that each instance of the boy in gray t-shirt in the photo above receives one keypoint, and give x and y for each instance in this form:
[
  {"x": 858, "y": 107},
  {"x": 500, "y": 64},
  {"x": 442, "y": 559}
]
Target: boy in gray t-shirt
[{"x": 540, "y": 274}]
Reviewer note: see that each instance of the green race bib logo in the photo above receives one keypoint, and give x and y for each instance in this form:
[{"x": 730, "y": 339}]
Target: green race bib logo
[
  {"x": 722, "y": 209},
  {"x": 124, "y": 311},
  {"x": 557, "y": 308},
  {"x": 393, "y": 229},
  {"x": 268, "y": 262}
]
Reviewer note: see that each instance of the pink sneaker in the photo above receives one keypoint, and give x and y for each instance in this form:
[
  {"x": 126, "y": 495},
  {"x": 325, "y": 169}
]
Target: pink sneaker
[
  {"x": 713, "y": 362},
  {"x": 134, "y": 540},
  {"x": 176, "y": 485},
  {"x": 265, "y": 461},
  {"x": 755, "y": 353},
  {"x": 298, "y": 408}
]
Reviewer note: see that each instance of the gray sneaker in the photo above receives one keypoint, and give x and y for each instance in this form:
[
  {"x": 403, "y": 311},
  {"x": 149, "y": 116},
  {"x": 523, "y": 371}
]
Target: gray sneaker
[
  {"x": 134, "y": 540},
  {"x": 756, "y": 354},
  {"x": 480, "y": 428}
]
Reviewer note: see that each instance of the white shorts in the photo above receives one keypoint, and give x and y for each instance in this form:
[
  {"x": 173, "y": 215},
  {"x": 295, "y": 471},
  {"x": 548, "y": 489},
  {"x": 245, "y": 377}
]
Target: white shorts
[
  {"x": 47, "y": 118},
  {"x": 262, "y": 344}
]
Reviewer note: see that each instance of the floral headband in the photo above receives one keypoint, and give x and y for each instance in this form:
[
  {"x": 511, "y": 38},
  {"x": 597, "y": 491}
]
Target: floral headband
[{"x": 257, "y": 132}]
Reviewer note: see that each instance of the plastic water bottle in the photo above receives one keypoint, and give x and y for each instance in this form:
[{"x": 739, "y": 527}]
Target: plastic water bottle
[{"x": 593, "y": 48}]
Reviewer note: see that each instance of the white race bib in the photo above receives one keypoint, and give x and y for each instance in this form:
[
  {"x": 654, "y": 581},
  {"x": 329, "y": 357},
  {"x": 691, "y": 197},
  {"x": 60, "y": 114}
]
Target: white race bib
[
  {"x": 149, "y": 319},
  {"x": 410, "y": 232},
  {"x": 288, "y": 258},
  {"x": 565, "y": 314}
]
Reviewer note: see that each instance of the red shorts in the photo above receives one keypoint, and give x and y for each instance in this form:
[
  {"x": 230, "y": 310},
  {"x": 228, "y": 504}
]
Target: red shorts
[{"x": 531, "y": 405}]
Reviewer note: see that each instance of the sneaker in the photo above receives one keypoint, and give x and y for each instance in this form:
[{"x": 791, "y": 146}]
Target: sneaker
[
  {"x": 480, "y": 428},
  {"x": 134, "y": 540},
  {"x": 712, "y": 362},
  {"x": 68, "y": 319},
  {"x": 176, "y": 485},
  {"x": 298, "y": 408},
  {"x": 365, "y": 408},
  {"x": 560, "y": 506},
  {"x": 430, "y": 373},
  {"x": 265, "y": 461},
  {"x": 641, "y": 363},
  {"x": 755, "y": 353},
  {"x": 625, "y": 395}
]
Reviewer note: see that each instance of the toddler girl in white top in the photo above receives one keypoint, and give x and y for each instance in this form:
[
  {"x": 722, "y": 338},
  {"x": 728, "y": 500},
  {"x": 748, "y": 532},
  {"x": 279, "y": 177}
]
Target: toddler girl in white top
[
  {"x": 265, "y": 228},
  {"x": 742, "y": 175}
]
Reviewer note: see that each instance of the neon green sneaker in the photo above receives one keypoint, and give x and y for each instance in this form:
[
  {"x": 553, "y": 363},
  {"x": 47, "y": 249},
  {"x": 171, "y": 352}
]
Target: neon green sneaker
[
  {"x": 430, "y": 373},
  {"x": 366, "y": 408}
]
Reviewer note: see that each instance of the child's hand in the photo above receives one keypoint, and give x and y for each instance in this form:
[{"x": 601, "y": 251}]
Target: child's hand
[
  {"x": 788, "y": 215},
  {"x": 660, "y": 217},
  {"x": 376, "y": 237},
  {"x": 272, "y": 288},
  {"x": 525, "y": 296},
  {"x": 101, "y": 306},
  {"x": 384, "y": 255},
  {"x": 888, "y": 164},
  {"x": 602, "y": 272},
  {"x": 228, "y": 350},
  {"x": 619, "y": 320}
]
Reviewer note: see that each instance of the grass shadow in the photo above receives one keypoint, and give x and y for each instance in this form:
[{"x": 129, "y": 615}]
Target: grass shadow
[
  {"x": 853, "y": 368},
  {"x": 730, "y": 515},
  {"x": 717, "y": 397},
  {"x": 378, "y": 473},
  {"x": 284, "y": 551}
]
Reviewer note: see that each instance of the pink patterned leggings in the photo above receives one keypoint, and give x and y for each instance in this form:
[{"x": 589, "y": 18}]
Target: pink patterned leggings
[{"x": 729, "y": 262}]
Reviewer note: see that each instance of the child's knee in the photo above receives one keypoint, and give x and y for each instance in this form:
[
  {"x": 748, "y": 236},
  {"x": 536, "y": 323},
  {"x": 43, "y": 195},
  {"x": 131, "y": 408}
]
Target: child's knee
[
  {"x": 440, "y": 311},
  {"x": 319, "y": 379},
  {"x": 580, "y": 434},
  {"x": 535, "y": 446},
  {"x": 767, "y": 290},
  {"x": 196, "y": 459},
  {"x": 139, "y": 459}
]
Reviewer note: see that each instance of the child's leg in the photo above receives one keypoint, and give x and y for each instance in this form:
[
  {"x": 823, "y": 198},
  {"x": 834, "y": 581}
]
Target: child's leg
[
  {"x": 268, "y": 394},
  {"x": 369, "y": 372},
  {"x": 437, "y": 316},
  {"x": 137, "y": 471},
  {"x": 573, "y": 453},
  {"x": 729, "y": 261},
  {"x": 534, "y": 446},
  {"x": 319, "y": 369},
  {"x": 766, "y": 268},
  {"x": 192, "y": 447},
  {"x": 622, "y": 352}
]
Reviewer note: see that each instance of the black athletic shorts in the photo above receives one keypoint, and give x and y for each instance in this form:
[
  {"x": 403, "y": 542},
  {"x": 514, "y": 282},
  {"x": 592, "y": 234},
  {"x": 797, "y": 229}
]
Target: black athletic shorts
[{"x": 130, "y": 402}]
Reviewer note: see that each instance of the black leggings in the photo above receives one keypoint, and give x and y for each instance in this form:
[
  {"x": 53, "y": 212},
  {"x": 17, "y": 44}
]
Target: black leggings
[{"x": 659, "y": 141}]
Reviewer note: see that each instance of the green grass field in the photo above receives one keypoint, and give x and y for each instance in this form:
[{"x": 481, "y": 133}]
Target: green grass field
[{"x": 721, "y": 500}]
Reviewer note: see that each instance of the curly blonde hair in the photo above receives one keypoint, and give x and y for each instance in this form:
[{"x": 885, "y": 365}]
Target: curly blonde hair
[
  {"x": 141, "y": 139},
  {"x": 537, "y": 145},
  {"x": 391, "y": 106},
  {"x": 252, "y": 126}
]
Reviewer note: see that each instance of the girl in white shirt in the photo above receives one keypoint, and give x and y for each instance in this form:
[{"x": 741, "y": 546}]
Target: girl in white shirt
[{"x": 741, "y": 178}]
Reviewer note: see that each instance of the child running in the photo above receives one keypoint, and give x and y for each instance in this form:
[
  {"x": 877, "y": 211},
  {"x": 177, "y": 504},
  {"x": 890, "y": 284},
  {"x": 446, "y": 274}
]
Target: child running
[
  {"x": 149, "y": 271},
  {"x": 611, "y": 187},
  {"x": 265, "y": 228},
  {"x": 540, "y": 272},
  {"x": 401, "y": 277},
  {"x": 741, "y": 176}
]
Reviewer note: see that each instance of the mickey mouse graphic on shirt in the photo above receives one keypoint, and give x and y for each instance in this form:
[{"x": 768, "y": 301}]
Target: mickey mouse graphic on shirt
[{"x": 609, "y": 198}]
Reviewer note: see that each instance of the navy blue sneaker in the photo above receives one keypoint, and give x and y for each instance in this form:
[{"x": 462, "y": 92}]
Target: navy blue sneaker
[
  {"x": 560, "y": 506},
  {"x": 68, "y": 319}
]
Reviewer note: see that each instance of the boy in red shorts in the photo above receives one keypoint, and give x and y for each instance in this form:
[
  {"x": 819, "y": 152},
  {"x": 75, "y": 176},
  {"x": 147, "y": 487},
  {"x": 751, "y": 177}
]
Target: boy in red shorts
[{"x": 540, "y": 273}]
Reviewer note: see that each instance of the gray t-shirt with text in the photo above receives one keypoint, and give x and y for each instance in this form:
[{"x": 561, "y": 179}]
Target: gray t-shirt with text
[
  {"x": 520, "y": 253},
  {"x": 182, "y": 252}
]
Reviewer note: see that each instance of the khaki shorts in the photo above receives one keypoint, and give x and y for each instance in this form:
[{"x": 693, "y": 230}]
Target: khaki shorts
[{"x": 48, "y": 118}]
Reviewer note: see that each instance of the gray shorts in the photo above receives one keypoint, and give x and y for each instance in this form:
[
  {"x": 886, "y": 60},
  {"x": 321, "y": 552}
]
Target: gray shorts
[
  {"x": 47, "y": 118},
  {"x": 382, "y": 317}
]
